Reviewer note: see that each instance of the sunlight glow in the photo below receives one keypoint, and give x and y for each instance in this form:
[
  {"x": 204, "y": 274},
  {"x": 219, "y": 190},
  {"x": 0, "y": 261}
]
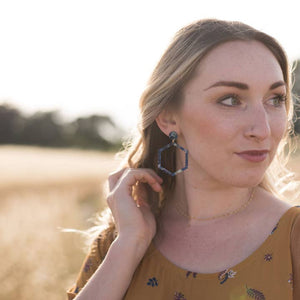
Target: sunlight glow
[{"x": 88, "y": 57}]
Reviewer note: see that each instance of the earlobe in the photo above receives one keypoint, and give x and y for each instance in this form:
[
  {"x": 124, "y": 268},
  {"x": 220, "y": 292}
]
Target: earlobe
[{"x": 166, "y": 122}]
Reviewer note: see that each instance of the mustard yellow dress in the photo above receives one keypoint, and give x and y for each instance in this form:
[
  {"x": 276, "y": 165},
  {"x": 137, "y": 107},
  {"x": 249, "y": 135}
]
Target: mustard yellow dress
[{"x": 266, "y": 274}]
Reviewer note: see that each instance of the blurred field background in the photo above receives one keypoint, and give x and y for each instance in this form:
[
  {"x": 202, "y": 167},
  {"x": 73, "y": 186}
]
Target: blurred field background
[{"x": 43, "y": 190}]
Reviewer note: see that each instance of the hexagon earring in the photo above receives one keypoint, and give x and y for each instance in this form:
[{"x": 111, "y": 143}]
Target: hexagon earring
[{"x": 173, "y": 137}]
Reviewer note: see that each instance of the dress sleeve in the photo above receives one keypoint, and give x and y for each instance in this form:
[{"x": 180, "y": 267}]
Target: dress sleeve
[
  {"x": 295, "y": 250},
  {"x": 90, "y": 264}
]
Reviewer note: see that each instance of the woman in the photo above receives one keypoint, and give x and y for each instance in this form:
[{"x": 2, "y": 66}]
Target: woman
[{"x": 218, "y": 229}]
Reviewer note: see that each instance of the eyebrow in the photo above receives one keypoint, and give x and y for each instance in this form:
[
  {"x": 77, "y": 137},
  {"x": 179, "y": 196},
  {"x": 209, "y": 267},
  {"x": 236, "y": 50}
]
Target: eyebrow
[{"x": 243, "y": 86}]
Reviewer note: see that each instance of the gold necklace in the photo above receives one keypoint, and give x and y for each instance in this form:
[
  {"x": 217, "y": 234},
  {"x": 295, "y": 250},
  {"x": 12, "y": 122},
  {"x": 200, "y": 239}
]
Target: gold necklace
[{"x": 183, "y": 213}]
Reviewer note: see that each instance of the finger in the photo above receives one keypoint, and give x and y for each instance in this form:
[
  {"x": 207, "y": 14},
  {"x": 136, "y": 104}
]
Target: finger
[
  {"x": 153, "y": 180},
  {"x": 145, "y": 177},
  {"x": 114, "y": 178},
  {"x": 152, "y": 172}
]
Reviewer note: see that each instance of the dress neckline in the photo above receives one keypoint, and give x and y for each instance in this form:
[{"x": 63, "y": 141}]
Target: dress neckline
[{"x": 181, "y": 271}]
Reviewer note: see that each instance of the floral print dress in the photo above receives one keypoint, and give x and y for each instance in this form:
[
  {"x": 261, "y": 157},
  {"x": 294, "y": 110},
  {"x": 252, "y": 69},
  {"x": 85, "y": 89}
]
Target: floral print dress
[{"x": 266, "y": 274}]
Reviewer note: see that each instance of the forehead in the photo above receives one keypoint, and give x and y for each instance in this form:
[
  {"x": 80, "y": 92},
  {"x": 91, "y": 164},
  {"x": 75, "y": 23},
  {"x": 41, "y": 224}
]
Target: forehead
[{"x": 245, "y": 61}]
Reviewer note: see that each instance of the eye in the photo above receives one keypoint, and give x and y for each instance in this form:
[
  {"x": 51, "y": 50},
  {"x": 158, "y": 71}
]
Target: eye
[
  {"x": 230, "y": 100},
  {"x": 279, "y": 100}
]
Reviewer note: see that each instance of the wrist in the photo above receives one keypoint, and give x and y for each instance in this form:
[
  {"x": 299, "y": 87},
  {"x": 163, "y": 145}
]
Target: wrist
[{"x": 137, "y": 244}]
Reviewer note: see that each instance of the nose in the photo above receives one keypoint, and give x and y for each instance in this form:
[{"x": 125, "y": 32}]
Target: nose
[{"x": 258, "y": 127}]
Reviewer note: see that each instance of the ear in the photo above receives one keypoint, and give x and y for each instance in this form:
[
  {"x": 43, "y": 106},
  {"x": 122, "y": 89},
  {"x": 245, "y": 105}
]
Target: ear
[{"x": 166, "y": 121}]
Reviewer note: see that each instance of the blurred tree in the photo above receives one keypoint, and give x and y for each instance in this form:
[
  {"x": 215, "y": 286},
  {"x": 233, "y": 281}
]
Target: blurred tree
[
  {"x": 91, "y": 131},
  {"x": 296, "y": 93},
  {"x": 11, "y": 124},
  {"x": 43, "y": 128},
  {"x": 296, "y": 77},
  {"x": 47, "y": 129}
]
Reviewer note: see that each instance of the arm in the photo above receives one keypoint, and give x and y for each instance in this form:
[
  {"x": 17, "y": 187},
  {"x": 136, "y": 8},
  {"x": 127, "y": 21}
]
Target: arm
[
  {"x": 109, "y": 278},
  {"x": 93, "y": 259},
  {"x": 295, "y": 249},
  {"x": 113, "y": 276}
]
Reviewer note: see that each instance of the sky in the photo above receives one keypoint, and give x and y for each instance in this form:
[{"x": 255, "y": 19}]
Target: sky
[{"x": 95, "y": 57}]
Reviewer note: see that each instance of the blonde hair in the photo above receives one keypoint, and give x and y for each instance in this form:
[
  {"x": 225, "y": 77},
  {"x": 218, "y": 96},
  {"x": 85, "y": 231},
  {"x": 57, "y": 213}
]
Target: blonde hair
[{"x": 172, "y": 72}]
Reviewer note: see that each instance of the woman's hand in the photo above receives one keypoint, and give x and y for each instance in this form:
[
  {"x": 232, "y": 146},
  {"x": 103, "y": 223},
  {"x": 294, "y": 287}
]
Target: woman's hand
[{"x": 133, "y": 219}]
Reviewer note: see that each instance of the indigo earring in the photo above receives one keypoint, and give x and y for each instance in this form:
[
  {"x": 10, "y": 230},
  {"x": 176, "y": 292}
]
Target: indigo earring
[{"x": 173, "y": 137}]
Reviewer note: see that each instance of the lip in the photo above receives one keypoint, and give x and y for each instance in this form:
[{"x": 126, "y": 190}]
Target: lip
[{"x": 254, "y": 155}]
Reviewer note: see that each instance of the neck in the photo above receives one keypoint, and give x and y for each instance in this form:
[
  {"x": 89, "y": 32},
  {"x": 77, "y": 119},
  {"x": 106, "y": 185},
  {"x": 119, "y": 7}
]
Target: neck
[{"x": 203, "y": 200}]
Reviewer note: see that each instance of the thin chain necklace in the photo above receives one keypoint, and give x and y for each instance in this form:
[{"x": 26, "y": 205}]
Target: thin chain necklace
[{"x": 183, "y": 213}]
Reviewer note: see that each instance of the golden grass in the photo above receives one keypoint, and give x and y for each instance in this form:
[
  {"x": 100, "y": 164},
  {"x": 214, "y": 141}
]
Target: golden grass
[
  {"x": 41, "y": 191},
  {"x": 27, "y": 167}
]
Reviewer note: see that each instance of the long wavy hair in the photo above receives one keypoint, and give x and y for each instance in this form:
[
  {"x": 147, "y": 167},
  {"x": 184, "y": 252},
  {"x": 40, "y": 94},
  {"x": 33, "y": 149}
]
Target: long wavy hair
[{"x": 172, "y": 72}]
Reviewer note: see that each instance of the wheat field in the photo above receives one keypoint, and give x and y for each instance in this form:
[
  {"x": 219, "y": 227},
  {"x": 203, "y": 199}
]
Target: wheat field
[{"x": 43, "y": 190}]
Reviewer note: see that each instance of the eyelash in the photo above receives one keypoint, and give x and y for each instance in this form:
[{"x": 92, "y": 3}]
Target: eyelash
[
  {"x": 280, "y": 97},
  {"x": 235, "y": 96}
]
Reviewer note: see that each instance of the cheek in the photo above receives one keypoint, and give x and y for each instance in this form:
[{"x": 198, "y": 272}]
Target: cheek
[
  {"x": 206, "y": 130},
  {"x": 279, "y": 127}
]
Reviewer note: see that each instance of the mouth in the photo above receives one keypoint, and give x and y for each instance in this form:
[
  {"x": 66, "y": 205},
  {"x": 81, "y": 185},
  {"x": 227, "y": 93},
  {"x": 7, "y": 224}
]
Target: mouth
[{"x": 254, "y": 155}]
